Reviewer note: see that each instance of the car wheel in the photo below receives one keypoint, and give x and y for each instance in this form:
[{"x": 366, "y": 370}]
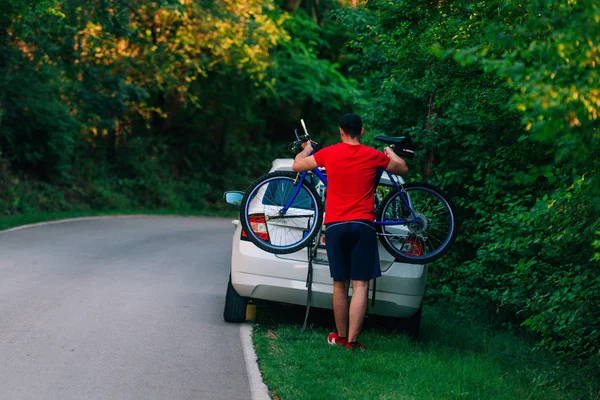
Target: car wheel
[
  {"x": 235, "y": 305},
  {"x": 411, "y": 326}
]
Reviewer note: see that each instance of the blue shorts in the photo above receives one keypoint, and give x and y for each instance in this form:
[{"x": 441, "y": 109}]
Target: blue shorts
[{"x": 352, "y": 250}]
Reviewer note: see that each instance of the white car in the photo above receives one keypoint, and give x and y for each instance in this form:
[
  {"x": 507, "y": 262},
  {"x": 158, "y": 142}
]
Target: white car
[{"x": 259, "y": 275}]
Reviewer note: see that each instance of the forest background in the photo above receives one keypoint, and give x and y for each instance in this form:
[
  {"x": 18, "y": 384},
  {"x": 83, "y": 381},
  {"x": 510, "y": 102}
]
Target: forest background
[{"x": 137, "y": 104}]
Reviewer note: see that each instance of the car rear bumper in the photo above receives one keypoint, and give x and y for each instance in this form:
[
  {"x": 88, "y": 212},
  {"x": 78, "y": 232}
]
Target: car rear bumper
[{"x": 257, "y": 274}]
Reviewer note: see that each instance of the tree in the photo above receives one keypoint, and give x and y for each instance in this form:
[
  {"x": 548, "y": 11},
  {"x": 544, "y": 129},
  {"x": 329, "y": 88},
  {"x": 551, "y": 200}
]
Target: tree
[{"x": 505, "y": 97}]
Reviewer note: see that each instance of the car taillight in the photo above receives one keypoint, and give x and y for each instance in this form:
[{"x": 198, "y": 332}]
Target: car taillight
[
  {"x": 413, "y": 248},
  {"x": 322, "y": 239},
  {"x": 259, "y": 226}
]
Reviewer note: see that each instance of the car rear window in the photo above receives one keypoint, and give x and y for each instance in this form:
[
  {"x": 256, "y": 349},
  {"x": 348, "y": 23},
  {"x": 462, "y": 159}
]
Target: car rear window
[{"x": 279, "y": 191}]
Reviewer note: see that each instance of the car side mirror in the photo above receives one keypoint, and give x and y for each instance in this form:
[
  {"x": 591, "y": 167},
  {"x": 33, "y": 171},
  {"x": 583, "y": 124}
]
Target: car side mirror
[{"x": 233, "y": 197}]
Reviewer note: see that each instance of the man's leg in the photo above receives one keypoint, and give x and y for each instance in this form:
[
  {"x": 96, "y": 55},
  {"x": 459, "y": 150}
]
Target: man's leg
[
  {"x": 341, "y": 307},
  {"x": 358, "y": 308}
]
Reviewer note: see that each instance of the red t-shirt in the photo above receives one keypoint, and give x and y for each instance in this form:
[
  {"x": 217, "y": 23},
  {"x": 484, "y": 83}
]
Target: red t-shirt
[{"x": 351, "y": 171}]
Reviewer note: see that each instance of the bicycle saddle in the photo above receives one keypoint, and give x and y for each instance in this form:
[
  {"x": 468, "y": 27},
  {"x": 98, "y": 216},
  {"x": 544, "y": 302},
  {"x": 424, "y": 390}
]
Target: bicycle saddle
[{"x": 390, "y": 140}]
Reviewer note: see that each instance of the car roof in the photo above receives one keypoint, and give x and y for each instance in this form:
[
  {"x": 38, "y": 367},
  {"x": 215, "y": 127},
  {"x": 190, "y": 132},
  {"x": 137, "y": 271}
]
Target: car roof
[{"x": 282, "y": 164}]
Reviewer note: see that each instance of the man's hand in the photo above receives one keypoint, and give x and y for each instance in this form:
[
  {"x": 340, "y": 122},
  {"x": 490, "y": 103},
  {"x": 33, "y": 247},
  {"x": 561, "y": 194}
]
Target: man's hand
[
  {"x": 307, "y": 147},
  {"x": 304, "y": 161},
  {"x": 397, "y": 165},
  {"x": 390, "y": 152}
]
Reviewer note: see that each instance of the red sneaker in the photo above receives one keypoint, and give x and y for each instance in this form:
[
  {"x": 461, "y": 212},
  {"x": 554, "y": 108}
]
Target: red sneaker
[
  {"x": 334, "y": 338},
  {"x": 355, "y": 346}
]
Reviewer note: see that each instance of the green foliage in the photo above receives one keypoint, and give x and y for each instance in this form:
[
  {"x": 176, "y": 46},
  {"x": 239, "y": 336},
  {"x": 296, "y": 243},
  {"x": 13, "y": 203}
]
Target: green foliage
[
  {"x": 127, "y": 104},
  {"x": 502, "y": 101},
  {"x": 300, "y": 76},
  {"x": 306, "y": 79},
  {"x": 38, "y": 132},
  {"x": 548, "y": 52},
  {"x": 538, "y": 267}
]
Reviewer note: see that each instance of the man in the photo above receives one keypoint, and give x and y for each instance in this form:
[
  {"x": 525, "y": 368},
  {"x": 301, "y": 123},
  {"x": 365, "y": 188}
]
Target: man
[{"x": 351, "y": 244}]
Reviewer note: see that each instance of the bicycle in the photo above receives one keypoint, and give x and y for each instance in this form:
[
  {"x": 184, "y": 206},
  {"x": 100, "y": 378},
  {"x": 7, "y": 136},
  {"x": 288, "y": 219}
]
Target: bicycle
[{"x": 282, "y": 212}]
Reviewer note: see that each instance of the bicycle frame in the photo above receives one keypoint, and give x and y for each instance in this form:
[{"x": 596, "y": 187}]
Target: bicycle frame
[{"x": 323, "y": 179}]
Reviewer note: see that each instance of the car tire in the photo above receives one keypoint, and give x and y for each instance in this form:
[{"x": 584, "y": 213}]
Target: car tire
[
  {"x": 235, "y": 305},
  {"x": 411, "y": 326}
]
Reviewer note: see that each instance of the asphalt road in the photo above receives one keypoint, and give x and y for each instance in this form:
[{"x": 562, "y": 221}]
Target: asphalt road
[{"x": 127, "y": 308}]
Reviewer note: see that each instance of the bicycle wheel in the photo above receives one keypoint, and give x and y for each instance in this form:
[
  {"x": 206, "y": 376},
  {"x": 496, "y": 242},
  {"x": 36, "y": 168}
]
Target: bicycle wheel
[
  {"x": 274, "y": 220},
  {"x": 426, "y": 223}
]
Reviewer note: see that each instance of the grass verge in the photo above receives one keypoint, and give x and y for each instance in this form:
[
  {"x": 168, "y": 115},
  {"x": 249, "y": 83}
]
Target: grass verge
[
  {"x": 32, "y": 218},
  {"x": 453, "y": 359}
]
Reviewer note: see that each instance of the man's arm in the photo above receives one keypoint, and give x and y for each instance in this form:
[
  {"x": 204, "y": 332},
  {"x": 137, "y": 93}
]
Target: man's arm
[
  {"x": 304, "y": 161},
  {"x": 397, "y": 165}
]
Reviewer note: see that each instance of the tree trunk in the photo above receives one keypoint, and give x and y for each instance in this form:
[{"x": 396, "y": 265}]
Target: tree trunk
[
  {"x": 291, "y": 6},
  {"x": 316, "y": 12},
  {"x": 427, "y": 170}
]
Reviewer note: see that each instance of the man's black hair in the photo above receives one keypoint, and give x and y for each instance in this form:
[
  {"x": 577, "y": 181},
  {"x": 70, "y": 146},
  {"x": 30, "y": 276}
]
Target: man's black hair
[{"x": 351, "y": 124}]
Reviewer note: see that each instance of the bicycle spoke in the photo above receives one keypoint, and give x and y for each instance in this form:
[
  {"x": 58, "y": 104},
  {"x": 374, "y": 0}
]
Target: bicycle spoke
[
  {"x": 429, "y": 222},
  {"x": 290, "y": 213},
  {"x": 291, "y": 216}
]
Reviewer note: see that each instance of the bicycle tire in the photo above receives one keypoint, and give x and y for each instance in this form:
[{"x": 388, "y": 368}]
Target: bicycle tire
[
  {"x": 266, "y": 196},
  {"x": 418, "y": 234}
]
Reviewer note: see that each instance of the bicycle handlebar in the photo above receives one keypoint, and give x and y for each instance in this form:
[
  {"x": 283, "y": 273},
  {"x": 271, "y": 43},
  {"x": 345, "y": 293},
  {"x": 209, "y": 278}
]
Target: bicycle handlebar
[{"x": 296, "y": 146}]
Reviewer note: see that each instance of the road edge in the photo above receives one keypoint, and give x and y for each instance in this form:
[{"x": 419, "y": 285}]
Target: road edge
[
  {"x": 97, "y": 217},
  {"x": 74, "y": 219},
  {"x": 258, "y": 389}
]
